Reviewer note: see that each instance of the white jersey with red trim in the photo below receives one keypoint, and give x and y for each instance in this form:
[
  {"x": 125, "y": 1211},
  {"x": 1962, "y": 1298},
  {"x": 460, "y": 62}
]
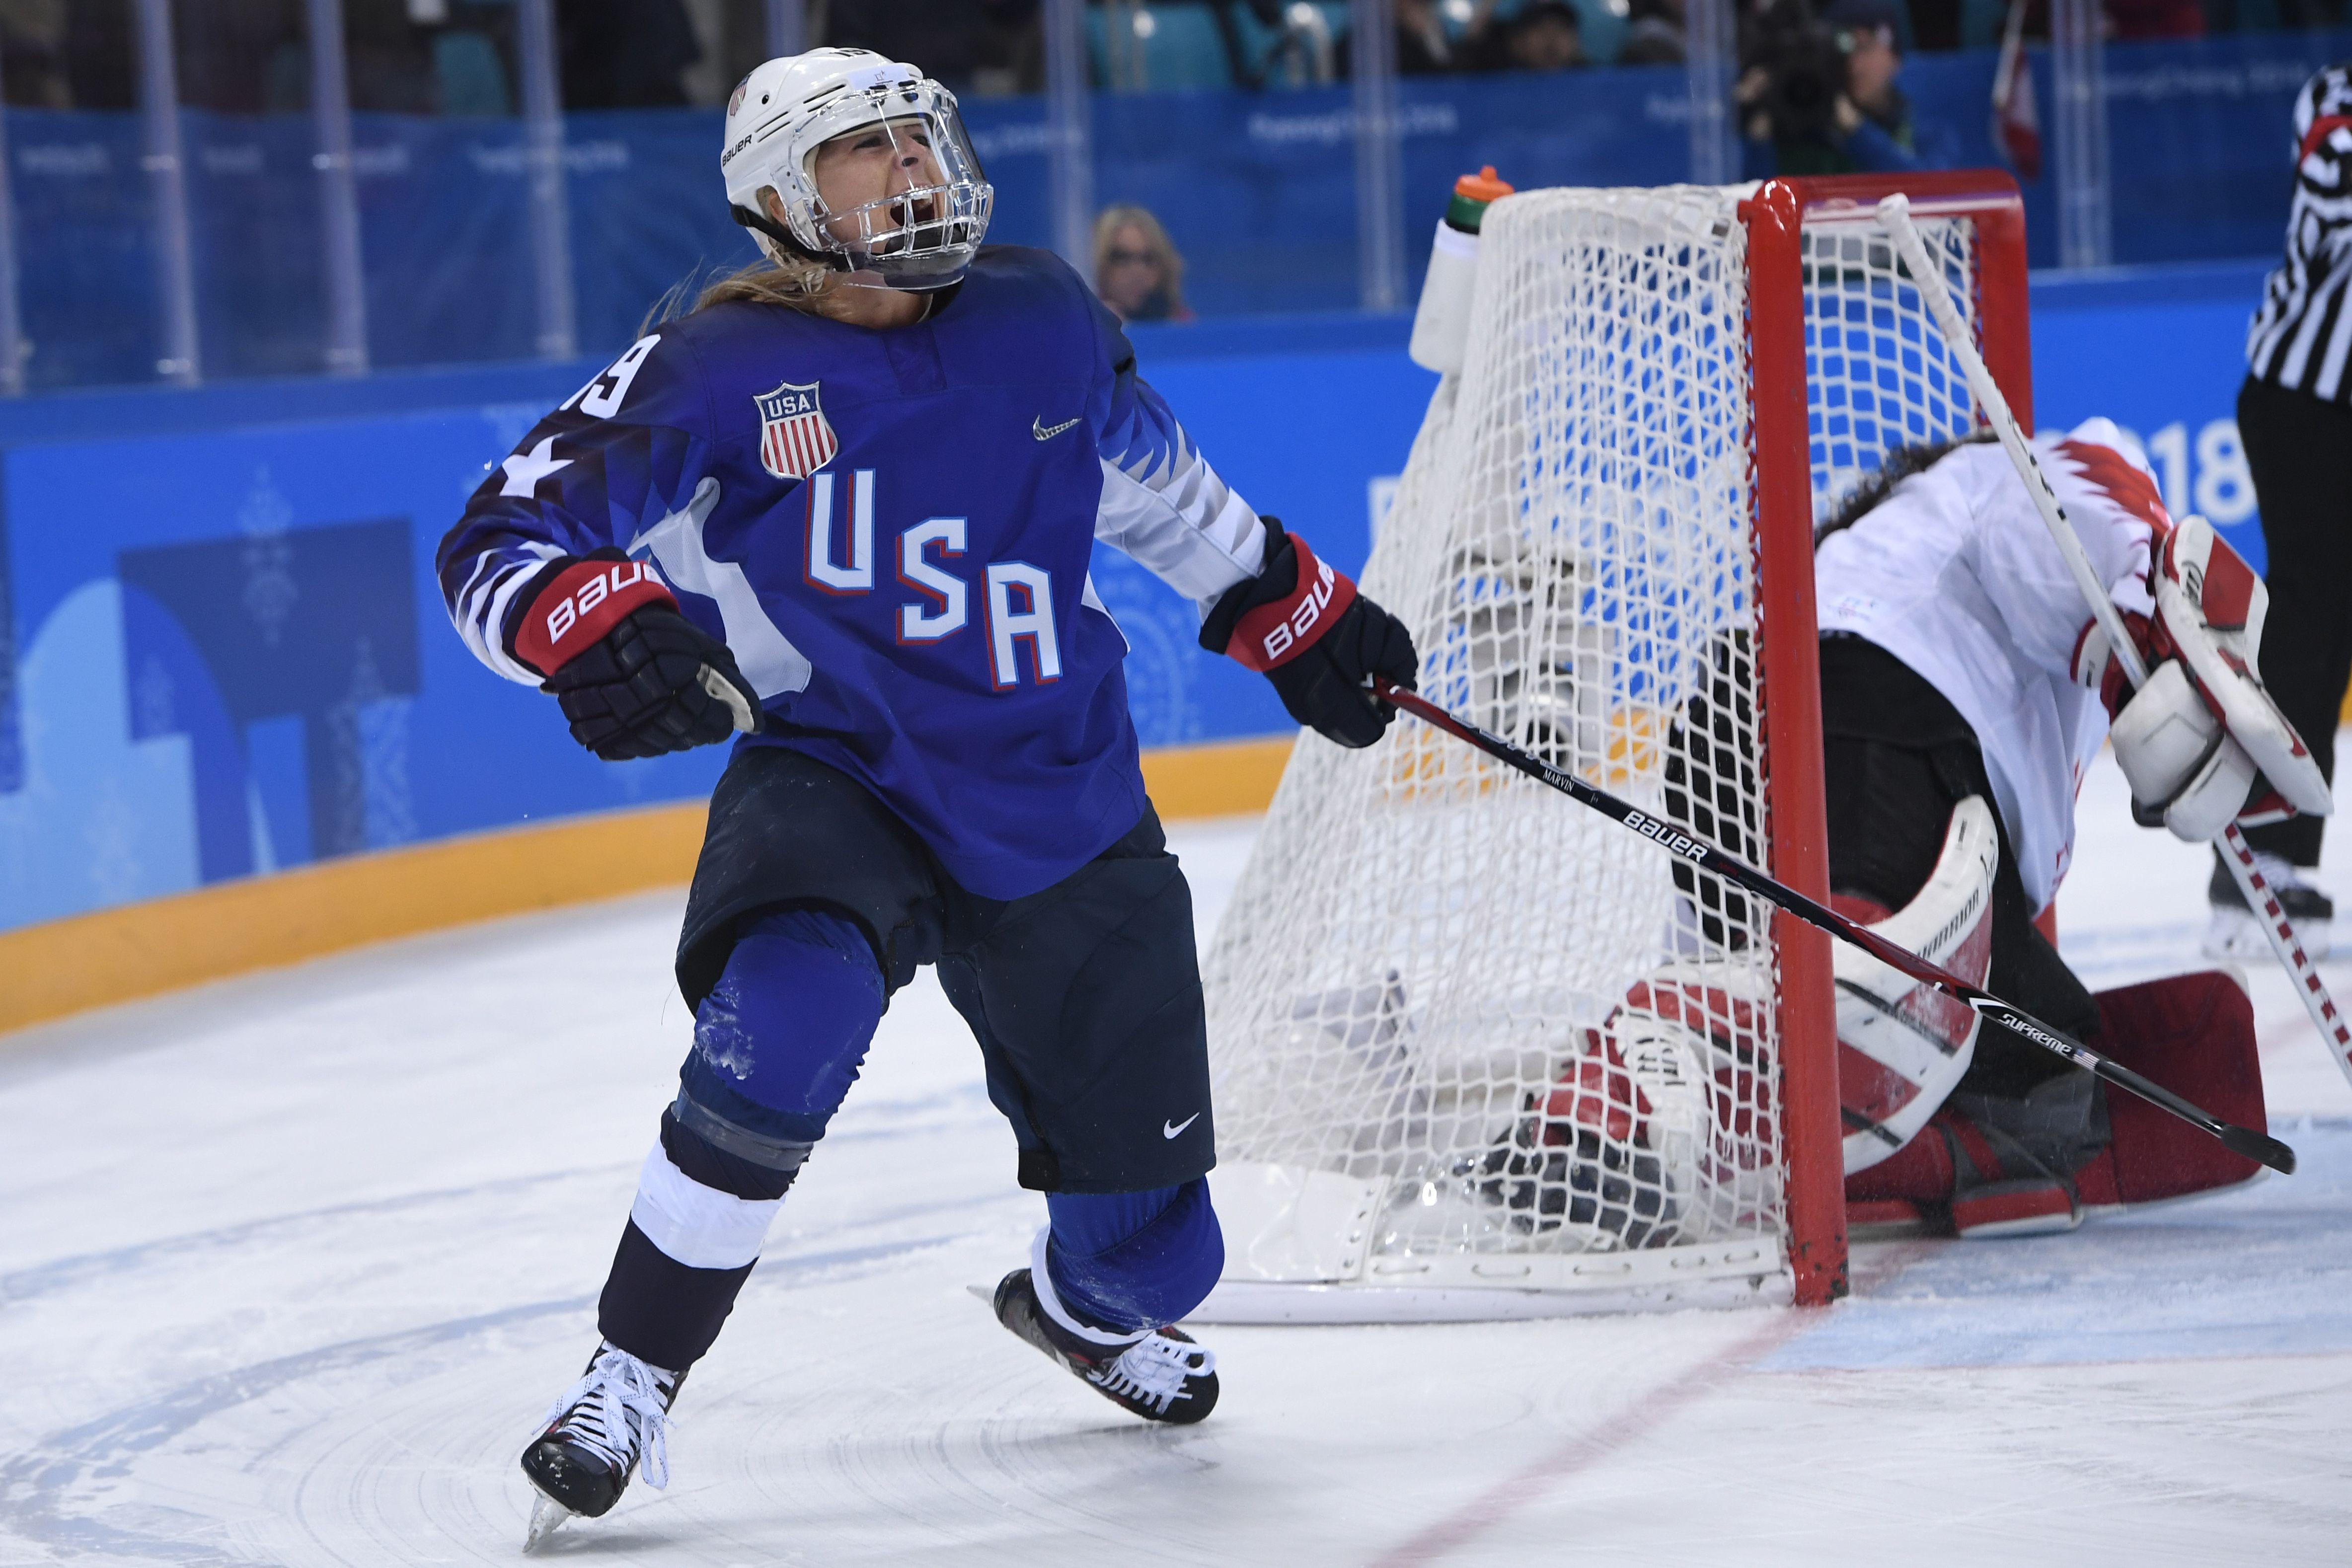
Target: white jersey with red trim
[{"x": 1954, "y": 574}]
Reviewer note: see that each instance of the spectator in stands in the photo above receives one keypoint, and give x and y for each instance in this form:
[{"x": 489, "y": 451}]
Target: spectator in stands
[
  {"x": 1820, "y": 97},
  {"x": 962, "y": 43},
  {"x": 411, "y": 56},
  {"x": 1654, "y": 35},
  {"x": 1422, "y": 47},
  {"x": 1541, "y": 35},
  {"x": 226, "y": 48},
  {"x": 625, "y": 54},
  {"x": 97, "y": 57},
  {"x": 2156, "y": 18},
  {"x": 33, "y": 53},
  {"x": 1137, "y": 271}
]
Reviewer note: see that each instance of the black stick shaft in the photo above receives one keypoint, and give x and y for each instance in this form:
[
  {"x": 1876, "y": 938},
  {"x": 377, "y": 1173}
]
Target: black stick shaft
[{"x": 2242, "y": 1141}]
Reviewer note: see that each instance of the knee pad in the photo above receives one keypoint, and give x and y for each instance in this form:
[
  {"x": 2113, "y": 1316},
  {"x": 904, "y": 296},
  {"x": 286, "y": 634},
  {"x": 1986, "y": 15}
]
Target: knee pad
[
  {"x": 1126, "y": 1261},
  {"x": 779, "y": 1039}
]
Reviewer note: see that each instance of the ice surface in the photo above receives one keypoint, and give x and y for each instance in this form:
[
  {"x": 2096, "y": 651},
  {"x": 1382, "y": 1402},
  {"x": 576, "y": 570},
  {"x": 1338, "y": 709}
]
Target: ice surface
[{"x": 289, "y": 1266}]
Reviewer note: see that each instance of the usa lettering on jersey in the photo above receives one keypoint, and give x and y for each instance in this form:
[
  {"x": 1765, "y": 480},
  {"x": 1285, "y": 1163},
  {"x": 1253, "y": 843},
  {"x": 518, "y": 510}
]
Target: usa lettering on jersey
[
  {"x": 796, "y": 438},
  {"x": 1016, "y": 597}
]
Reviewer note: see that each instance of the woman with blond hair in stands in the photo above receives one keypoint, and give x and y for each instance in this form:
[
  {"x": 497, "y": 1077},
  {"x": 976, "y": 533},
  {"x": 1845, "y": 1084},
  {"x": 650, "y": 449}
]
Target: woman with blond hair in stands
[{"x": 1137, "y": 271}]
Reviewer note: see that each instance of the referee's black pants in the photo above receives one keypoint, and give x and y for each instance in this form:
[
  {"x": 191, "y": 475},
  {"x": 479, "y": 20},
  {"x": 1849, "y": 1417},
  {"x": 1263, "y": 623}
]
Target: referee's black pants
[{"x": 2299, "y": 450}]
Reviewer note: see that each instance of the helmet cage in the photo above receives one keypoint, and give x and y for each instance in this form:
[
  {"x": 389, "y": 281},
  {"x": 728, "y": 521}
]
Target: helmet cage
[{"x": 918, "y": 239}]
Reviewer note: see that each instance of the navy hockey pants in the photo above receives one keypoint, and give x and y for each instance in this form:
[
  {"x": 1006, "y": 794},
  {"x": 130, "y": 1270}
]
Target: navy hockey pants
[{"x": 779, "y": 1039}]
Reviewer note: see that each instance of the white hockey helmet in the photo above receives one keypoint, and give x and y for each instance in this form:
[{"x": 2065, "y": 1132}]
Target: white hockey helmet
[{"x": 920, "y": 235}]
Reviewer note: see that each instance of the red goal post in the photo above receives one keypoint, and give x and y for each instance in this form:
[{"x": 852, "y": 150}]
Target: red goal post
[{"x": 1784, "y": 431}]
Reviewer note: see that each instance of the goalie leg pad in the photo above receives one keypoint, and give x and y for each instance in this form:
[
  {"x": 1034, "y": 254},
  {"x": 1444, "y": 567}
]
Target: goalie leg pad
[
  {"x": 2195, "y": 1035},
  {"x": 1902, "y": 1046},
  {"x": 1977, "y": 1180},
  {"x": 1653, "y": 1117}
]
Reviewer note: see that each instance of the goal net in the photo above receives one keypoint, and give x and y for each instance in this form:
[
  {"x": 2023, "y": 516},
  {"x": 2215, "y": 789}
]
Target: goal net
[{"x": 1479, "y": 1051}]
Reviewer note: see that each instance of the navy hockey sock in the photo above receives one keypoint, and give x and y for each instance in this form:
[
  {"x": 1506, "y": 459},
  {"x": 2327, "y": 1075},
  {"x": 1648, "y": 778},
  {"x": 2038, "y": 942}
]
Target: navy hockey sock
[
  {"x": 1123, "y": 1262},
  {"x": 777, "y": 1043},
  {"x": 700, "y": 1215}
]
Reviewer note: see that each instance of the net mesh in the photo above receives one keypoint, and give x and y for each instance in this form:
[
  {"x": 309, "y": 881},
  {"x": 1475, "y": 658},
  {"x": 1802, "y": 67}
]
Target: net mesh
[{"x": 1523, "y": 1029}]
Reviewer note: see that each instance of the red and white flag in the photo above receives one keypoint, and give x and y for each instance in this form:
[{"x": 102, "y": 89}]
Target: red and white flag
[
  {"x": 2016, "y": 124},
  {"x": 796, "y": 440}
]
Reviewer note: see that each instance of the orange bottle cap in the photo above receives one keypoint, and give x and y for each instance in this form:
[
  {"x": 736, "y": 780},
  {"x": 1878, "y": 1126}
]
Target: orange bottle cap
[{"x": 1483, "y": 186}]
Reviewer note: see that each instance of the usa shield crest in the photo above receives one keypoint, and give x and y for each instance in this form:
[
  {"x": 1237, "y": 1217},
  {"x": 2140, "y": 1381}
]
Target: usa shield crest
[{"x": 796, "y": 440}]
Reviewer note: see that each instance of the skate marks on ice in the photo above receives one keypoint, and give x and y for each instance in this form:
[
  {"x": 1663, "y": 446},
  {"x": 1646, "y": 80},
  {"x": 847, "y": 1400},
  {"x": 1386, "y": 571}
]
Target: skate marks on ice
[
  {"x": 326, "y": 1455},
  {"x": 263, "y": 1328},
  {"x": 2264, "y": 1270}
]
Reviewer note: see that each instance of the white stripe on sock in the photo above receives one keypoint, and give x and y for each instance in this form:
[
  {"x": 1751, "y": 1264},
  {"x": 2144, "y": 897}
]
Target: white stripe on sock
[
  {"x": 698, "y": 1226},
  {"x": 1043, "y": 1279}
]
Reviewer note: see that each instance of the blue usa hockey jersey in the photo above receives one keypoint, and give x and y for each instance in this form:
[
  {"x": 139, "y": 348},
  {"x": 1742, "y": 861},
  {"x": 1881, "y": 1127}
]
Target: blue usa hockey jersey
[{"x": 891, "y": 531}]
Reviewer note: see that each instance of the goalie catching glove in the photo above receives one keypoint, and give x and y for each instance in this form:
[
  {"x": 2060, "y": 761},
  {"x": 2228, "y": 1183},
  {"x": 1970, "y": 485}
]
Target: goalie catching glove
[
  {"x": 635, "y": 677},
  {"x": 2193, "y": 740},
  {"x": 1303, "y": 626}
]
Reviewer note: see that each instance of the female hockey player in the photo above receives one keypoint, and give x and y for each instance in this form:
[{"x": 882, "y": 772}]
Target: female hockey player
[
  {"x": 1964, "y": 688},
  {"x": 845, "y": 507}
]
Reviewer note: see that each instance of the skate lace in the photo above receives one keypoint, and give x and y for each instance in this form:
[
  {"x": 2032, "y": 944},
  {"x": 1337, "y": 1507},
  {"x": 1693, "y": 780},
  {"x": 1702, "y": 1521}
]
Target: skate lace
[
  {"x": 1153, "y": 1370},
  {"x": 614, "y": 1411}
]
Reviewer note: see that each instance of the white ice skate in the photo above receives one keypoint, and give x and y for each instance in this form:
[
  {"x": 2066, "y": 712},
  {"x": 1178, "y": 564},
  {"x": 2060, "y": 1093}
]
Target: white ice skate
[
  {"x": 2236, "y": 933},
  {"x": 596, "y": 1433}
]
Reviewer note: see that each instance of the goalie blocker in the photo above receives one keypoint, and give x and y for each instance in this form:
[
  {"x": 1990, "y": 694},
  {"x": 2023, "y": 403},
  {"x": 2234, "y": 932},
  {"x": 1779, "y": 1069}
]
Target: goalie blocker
[{"x": 2196, "y": 739}]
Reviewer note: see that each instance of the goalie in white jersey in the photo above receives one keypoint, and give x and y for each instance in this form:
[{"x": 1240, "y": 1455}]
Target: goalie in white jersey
[{"x": 1964, "y": 688}]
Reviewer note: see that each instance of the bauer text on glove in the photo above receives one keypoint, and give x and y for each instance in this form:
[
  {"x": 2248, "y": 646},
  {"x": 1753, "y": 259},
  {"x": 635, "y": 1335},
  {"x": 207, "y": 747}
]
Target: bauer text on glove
[
  {"x": 635, "y": 677},
  {"x": 1315, "y": 638}
]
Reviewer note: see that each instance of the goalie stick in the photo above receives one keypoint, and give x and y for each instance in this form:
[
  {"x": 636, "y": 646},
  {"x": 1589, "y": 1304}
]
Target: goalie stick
[
  {"x": 1895, "y": 212},
  {"x": 2242, "y": 1141}
]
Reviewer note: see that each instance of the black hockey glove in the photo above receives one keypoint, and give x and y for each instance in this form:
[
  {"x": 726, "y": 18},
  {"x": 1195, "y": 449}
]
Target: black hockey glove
[
  {"x": 1315, "y": 638},
  {"x": 634, "y": 676}
]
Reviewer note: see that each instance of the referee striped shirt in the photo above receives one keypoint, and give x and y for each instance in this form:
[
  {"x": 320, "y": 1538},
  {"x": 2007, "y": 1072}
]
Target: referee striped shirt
[{"x": 2302, "y": 335}]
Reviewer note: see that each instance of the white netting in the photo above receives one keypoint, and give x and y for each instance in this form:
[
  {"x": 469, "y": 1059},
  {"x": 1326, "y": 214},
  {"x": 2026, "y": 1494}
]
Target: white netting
[
  {"x": 1427, "y": 986},
  {"x": 1878, "y": 376}
]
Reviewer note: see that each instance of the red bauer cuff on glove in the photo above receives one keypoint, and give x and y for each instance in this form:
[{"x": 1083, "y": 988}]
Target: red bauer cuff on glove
[
  {"x": 580, "y": 606},
  {"x": 1280, "y": 630}
]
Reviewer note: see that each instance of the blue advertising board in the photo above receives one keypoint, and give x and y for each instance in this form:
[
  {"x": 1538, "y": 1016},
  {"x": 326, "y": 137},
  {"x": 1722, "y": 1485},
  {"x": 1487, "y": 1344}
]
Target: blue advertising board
[{"x": 222, "y": 652}]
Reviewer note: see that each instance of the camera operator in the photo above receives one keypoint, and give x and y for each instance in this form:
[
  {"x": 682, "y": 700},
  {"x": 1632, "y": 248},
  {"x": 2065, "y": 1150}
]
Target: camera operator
[{"x": 1819, "y": 95}]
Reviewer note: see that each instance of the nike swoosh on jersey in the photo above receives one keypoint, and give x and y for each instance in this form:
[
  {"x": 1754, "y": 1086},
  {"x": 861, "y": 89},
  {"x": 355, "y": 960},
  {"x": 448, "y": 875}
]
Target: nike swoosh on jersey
[
  {"x": 1044, "y": 431},
  {"x": 1169, "y": 1129}
]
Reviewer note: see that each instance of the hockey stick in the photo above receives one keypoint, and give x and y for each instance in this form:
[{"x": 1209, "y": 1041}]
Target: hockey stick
[
  {"x": 2243, "y": 1140},
  {"x": 1895, "y": 212}
]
